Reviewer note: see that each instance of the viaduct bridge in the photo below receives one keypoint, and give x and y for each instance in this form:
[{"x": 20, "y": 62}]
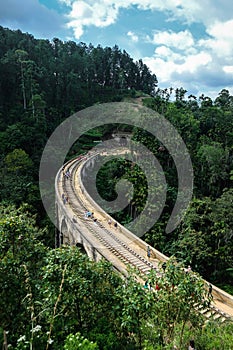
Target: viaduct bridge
[{"x": 102, "y": 240}]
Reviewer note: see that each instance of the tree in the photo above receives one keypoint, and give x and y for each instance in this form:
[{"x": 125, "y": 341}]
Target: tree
[
  {"x": 179, "y": 95},
  {"x": 49, "y": 297},
  {"x": 16, "y": 173},
  {"x": 86, "y": 297},
  {"x": 213, "y": 162},
  {"x": 159, "y": 313},
  {"x": 21, "y": 256},
  {"x": 21, "y": 56},
  {"x": 224, "y": 100},
  {"x": 177, "y": 292},
  {"x": 18, "y": 161},
  {"x": 222, "y": 236}
]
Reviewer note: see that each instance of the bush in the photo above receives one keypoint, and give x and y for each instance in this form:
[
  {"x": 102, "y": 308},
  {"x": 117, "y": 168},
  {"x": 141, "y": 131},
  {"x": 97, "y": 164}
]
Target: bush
[{"x": 77, "y": 341}]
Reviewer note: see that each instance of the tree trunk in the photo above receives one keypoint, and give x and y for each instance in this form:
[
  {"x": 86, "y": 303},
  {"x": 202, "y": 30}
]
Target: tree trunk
[
  {"x": 5, "y": 346},
  {"x": 23, "y": 88}
]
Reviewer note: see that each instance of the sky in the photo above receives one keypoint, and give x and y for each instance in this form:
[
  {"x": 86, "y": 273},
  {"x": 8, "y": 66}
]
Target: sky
[{"x": 186, "y": 43}]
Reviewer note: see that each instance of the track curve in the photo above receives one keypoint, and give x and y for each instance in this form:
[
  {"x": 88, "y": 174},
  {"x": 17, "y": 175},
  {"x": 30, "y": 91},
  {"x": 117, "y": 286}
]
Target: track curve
[{"x": 119, "y": 246}]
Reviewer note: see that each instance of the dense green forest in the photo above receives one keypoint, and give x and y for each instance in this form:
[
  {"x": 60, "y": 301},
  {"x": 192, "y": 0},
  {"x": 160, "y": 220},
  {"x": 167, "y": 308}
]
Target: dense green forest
[
  {"x": 204, "y": 239},
  {"x": 62, "y": 300},
  {"x": 42, "y": 83}
]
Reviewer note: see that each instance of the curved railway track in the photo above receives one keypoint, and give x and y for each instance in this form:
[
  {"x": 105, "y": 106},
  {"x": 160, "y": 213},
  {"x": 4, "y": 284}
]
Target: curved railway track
[
  {"x": 117, "y": 245},
  {"x": 107, "y": 237}
]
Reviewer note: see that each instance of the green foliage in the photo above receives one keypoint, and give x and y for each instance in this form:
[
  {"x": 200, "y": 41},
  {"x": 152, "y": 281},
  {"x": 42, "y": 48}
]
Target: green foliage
[
  {"x": 75, "y": 342},
  {"x": 18, "y": 160},
  {"x": 21, "y": 257},
  {"x": 204, "y": 238},
  {"x": 49, "y": 297},
  {"x": 215, "y": 336},
  {"x": 43, "y": 82},
  {"x": 214, "y": 160},
  {"x": 112, "y": 171},
  {"x": 177, "y": 292},
  {"x": 17, "y": 178},
  {"x": 185, "y": 123}
]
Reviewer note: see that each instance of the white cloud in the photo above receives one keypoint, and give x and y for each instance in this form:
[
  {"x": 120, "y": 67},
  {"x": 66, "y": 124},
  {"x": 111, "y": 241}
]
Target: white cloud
[
  {"x": 220, "y": 41},
  {"x": 228, "y": 69},
  {"x": 166, "y": 62},
  {"x": 81, "y": 9},
  {"x": 181, "y": 40},
  {"x": 102, "y": 13},
  {"x": 83, "y": 14},
  {"x": 166, "y": 54},
  {"x": 162, "y": 68},
  {"x": 197, "y": 65},
  {"x": 179, "y": 60},
  {"x": 133, "y": 36},
  {"x": 179, "y": 56},
  {"x": 105, "y": 12},
  {"x": 221, "y": 30}
]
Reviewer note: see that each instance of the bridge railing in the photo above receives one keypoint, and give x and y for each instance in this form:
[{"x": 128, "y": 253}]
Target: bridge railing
[
  {"x": 217, "y": 293},
  {"x": 154, "y": 252}
]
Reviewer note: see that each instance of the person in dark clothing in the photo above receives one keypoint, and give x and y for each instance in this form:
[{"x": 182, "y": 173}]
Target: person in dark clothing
[
  {"x": 191, "y": 345},
  {"x": 148, "y": 252}
]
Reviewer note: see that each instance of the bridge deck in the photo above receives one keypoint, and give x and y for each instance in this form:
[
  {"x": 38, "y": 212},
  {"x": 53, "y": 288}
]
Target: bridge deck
[{"x": 119, "y": 246}]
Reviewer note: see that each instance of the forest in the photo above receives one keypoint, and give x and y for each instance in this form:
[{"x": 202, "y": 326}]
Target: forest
[{"x": 58, "y": 299}]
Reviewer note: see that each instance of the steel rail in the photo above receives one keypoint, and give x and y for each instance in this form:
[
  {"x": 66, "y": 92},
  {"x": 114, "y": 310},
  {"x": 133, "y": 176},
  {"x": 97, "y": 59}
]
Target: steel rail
[{"x": 108, "y": 238}]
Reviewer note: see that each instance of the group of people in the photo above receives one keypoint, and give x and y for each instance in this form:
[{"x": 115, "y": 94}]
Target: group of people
[
  {"x": 90, "y": 215},
  {"x": 110, "y": 224},
  {"x": 67, "y": 174},
  {"x": 65, "y": 198},
  {"x": 148, "y": 285}
]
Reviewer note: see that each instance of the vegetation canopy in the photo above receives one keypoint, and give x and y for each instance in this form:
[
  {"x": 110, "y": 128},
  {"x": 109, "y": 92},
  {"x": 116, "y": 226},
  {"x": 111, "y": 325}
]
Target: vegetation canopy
[{"x": 57, "y": 298}]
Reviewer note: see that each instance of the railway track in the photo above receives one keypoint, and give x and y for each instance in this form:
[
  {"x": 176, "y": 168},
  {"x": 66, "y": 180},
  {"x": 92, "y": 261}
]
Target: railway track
[
  {"x": 116, "y": 244},
  {"x": 108, "y": 238}
]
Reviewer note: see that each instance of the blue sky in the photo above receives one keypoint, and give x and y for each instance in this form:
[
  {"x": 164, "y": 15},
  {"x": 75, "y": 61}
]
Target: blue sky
[{"x": 186, "y": 43}]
